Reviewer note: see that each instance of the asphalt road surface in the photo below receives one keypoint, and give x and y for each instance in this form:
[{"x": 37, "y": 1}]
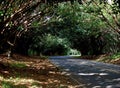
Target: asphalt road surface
[{"x": 92, "y": 74}]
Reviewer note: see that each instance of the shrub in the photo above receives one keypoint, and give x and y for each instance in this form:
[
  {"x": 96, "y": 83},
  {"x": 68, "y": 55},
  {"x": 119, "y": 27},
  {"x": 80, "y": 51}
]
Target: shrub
[{"x": 49, "y": 45}]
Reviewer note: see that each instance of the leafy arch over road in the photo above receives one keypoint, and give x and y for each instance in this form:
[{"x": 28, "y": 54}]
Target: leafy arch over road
[{"x": 16, "y": 17}]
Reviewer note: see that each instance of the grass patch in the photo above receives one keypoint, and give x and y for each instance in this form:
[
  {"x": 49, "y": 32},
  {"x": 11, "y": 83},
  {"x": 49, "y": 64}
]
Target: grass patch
[
  {"x": 115, "y": 56},
  {"x": 7, "y": 84},
  {"x": 36, "y": 84},
  {"x": 18, "y": 65}
]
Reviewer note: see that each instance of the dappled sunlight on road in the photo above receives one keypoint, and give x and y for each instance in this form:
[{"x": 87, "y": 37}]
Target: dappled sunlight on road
[{"x": 90, "y": 73}]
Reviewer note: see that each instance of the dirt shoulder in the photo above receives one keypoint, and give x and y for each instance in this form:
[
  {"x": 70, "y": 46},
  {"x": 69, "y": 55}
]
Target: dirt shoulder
[{"x": 28, "y": 72}]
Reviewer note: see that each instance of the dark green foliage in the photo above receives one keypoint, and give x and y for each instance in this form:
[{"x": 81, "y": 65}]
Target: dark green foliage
[
  {"x": 7, "y": 84},
  {"x": 114, "y": 56},
  {"x": 89, "y": 27},
  {"x": 49, "y": 45},
  {"x": 86, "y": 29},
  {"x": 83, "y": 26}
]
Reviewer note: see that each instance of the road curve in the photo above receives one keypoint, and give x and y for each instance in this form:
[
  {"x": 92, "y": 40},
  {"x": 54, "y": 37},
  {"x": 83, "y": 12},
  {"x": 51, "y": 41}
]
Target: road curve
[{"x": 92, "y": 74}]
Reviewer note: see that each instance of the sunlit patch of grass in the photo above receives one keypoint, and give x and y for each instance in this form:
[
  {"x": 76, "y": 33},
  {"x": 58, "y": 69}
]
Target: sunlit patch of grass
[
  {"x": 115, "y": 56},
  {"x": 18, "y": 83},
  {"x": 109, "y": 58},
  {"x": 18, "y": 65},
  {"x": 5, "y": 84}
]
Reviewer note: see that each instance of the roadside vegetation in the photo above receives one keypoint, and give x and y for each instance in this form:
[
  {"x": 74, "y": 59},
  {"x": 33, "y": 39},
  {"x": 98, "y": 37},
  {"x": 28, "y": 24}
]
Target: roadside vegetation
[
  {"x": 90, "y": 29},
  {"x": 65, "y": 28},
  {"x": 31, "y": 72},
  {"x": 113, "y": 59}
]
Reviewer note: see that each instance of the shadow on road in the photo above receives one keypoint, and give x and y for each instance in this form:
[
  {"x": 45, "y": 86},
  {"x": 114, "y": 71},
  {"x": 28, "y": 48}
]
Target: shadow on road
[{"x": 93, "y": 74}]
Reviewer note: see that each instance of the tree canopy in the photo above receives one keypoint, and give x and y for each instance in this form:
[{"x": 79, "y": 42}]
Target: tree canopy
[{"x": 82, "y": 22}]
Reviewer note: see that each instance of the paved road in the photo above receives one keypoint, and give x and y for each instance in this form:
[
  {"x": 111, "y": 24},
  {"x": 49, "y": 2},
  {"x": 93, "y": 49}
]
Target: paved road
[{"x": 91, "y": 73}]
